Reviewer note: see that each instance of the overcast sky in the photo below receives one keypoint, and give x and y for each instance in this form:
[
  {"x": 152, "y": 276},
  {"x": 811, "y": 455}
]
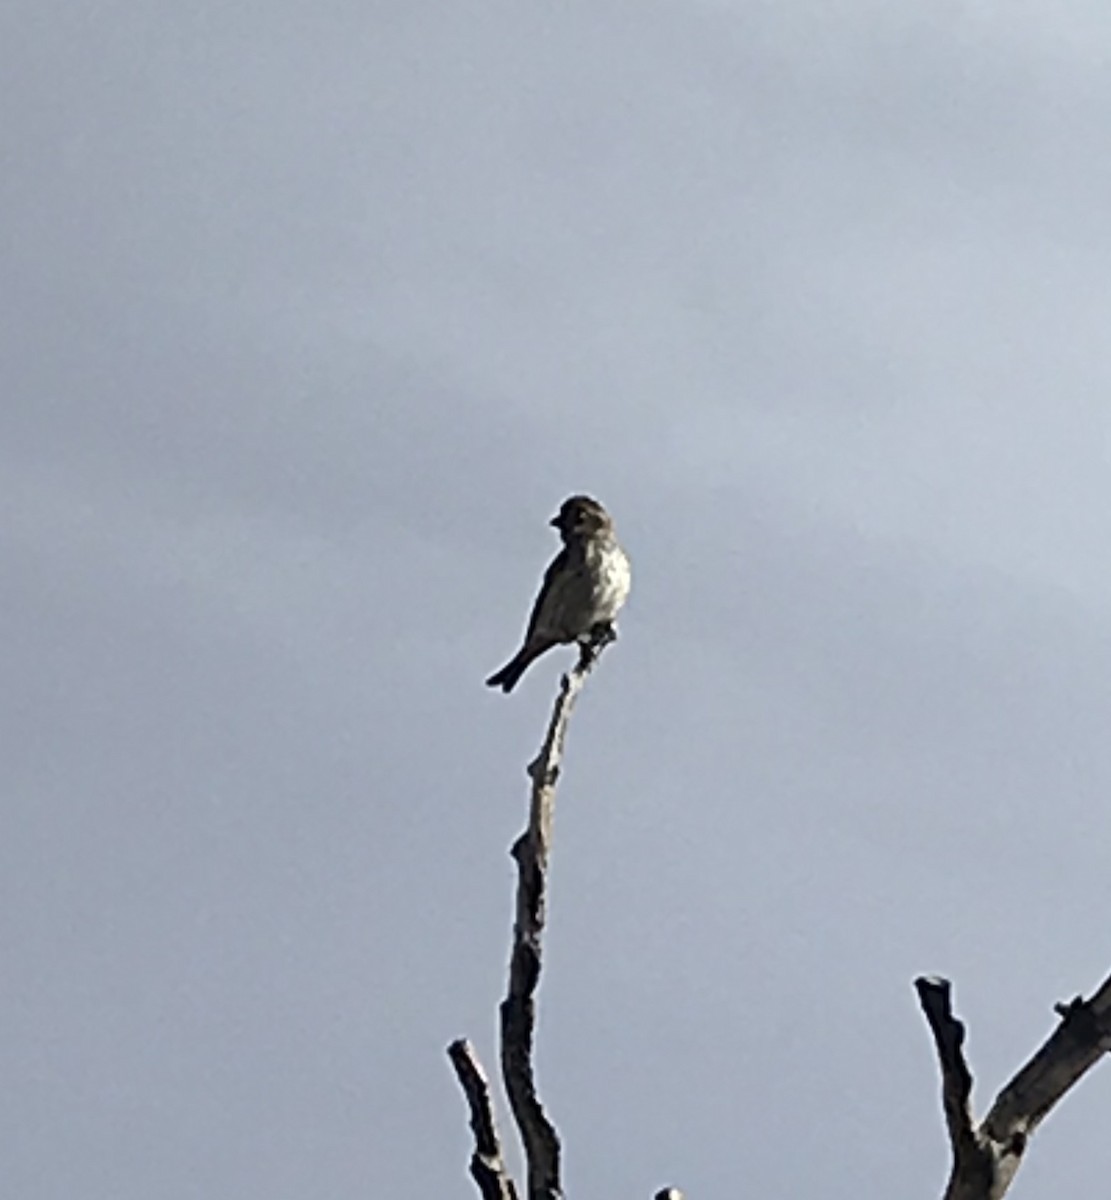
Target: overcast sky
[{"x": 312, "y": 316}]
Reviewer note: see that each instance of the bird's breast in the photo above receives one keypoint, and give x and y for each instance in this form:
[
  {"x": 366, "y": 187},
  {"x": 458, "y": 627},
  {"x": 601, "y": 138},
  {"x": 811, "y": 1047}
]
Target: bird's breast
[{"x": 611, "y": 578}]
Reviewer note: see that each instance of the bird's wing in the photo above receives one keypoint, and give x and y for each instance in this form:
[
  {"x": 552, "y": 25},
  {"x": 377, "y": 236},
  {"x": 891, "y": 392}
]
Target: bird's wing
[{"x": 555, "y": 568}]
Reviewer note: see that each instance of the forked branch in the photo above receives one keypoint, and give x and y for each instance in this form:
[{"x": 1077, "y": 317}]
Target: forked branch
[{"x": 986, "y": 1156}]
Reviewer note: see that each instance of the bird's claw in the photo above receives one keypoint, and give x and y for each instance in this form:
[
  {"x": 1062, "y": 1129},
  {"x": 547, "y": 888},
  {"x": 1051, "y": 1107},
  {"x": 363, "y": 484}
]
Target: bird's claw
[
  {"x": 602, "y": 634},
  {"x": 594, "y": 643}
]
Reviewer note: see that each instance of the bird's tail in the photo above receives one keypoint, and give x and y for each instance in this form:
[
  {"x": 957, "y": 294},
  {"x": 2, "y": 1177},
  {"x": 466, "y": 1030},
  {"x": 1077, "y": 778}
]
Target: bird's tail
[{"x": 508, "y": 676}]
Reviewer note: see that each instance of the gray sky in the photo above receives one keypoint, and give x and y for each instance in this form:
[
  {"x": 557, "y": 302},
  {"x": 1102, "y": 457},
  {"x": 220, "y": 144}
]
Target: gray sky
[{"x": 313, "y": 315}]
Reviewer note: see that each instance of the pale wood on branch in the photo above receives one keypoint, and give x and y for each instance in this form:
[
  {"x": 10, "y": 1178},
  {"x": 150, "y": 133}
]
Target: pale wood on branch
[{"x": 531, "y": 852}]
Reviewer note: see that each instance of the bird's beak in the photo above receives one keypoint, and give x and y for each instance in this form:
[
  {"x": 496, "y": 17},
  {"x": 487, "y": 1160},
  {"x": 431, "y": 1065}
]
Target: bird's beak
[{"x": 555, "y": 521}]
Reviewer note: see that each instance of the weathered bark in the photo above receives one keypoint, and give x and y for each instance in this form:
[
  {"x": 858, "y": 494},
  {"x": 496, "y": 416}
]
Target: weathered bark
[
  {"x": 487, "y": 1165},
  {"x": 518, "y": 1009},
  {"x": 986, "y": 1156},
  {"x": 531, "y": 853}
]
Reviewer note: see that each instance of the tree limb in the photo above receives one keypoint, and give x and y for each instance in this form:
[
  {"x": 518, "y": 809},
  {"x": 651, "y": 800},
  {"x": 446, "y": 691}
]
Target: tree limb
[
  {"x": 986, "y": 1157},
  {"x": 972, "y": 1163},
  {"x": 518, "y": 1009},
  {"x": 487, "y": 1165}
]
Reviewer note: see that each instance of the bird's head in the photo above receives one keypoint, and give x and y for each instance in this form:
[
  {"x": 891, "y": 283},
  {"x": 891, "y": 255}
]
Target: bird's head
[{"x": 580, "y": 516}]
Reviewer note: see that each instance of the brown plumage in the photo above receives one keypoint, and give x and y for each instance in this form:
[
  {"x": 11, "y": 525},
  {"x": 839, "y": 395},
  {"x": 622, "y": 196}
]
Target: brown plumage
[{"x": 583, "y": 589}]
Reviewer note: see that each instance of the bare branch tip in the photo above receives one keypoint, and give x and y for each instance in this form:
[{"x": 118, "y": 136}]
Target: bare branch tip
[{"x": 935, "y": 996}]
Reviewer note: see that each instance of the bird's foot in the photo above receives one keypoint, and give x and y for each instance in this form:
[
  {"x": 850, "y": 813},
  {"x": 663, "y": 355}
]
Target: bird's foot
[
  {"x": 602, "y": 634},
  {"x": 593, "y": 643}
]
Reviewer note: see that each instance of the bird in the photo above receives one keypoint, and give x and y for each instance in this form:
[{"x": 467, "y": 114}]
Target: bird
[{"x": 583, "y": 590}]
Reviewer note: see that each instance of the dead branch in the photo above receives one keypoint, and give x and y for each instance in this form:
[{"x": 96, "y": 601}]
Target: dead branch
[
  {"x": 487, "y": 1165},
  {"x": 518, "y": 1010},
  {"x": 986, "y": 1156}
]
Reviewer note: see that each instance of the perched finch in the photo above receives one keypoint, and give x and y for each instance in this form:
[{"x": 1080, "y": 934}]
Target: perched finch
[{"x": 583, "y": 589}]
